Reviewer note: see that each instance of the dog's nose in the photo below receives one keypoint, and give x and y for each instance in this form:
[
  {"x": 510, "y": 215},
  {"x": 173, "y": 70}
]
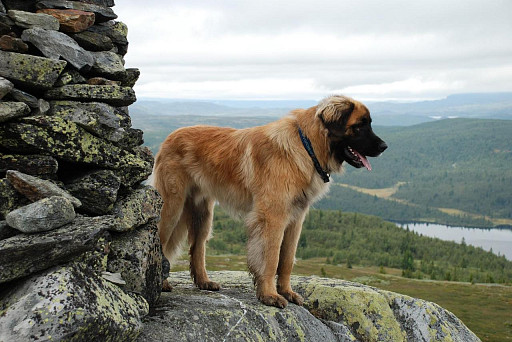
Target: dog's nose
[{"x": 382, "y": 146}]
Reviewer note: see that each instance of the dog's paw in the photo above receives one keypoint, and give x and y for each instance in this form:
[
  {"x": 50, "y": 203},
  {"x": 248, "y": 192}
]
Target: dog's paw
[
  {"x": 293, "y": 297},
  {"x": 209, "y": 286},
  {"x": 166, "y": 287},
  {"x": 274, "y": 300}
]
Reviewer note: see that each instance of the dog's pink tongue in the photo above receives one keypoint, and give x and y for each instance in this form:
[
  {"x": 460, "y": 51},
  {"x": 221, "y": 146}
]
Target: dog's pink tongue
[{"x": 365, "y": 161}]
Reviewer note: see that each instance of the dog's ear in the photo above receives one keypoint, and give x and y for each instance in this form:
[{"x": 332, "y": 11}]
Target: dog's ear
[{"x": 334, "y": 113}]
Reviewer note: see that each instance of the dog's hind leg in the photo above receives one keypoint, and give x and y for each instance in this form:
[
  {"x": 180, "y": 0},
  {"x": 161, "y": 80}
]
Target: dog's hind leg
[{"x": 199, "y": 216}]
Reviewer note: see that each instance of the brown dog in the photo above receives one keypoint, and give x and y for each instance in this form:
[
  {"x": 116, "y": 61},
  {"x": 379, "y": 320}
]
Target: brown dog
[{"x": 268, "y": 175}]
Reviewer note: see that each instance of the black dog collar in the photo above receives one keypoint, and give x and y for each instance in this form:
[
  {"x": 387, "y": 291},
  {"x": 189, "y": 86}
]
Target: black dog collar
[{"x": 307, "y": 145}]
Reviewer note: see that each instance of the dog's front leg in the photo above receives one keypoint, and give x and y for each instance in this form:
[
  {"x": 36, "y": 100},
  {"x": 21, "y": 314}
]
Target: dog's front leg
[
  {"x": 266, "y": 229},
  {"x": 287, "y": 259}
]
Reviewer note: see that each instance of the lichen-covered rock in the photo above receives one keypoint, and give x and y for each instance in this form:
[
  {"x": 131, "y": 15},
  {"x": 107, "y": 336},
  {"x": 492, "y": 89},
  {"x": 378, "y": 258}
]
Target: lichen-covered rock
[
  {"x": 11, "y": 110},
  {"x": 138, "y": 208},
  {"x": 44, "y": 134},
  {"x": 43, "y": 215},
  {"x": 97, "y": 118},
  {"x": 55, "y": 45},
  {"x": 70, "y": 303},
  {"x": 24, "y": 254},
  {"x": 334, "y": 310},
  {"x": 115, "y": 30},
  {"x": 108, "y": 64},
  {"x": 31, "y": 164},
  {"x": 10, "y": 199},
  {"x": 30, "y": 71},
  {"x": 36, "y": 189},
  {"x": 97, "y": 190},
  {"x": 102, "y": 13},
  {"x": 113, "y": 95},
  {"x": 132, "y": 75},
  {"x": 71, "y": 20},
  {"x": 29, "y": 20},
  {"x": 137, "y": 256}
]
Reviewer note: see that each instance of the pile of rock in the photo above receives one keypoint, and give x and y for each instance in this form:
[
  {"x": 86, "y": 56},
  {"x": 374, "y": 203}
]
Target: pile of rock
[{"x": 79, "y": 251}]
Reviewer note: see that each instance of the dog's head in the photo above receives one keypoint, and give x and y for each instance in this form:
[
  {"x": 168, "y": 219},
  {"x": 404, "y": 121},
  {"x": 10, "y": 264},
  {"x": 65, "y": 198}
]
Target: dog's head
[{"x": 348, "y": 123}]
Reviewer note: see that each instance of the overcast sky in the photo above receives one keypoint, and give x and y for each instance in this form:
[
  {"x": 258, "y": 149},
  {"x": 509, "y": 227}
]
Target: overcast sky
[{"x": 263, "y": 49}]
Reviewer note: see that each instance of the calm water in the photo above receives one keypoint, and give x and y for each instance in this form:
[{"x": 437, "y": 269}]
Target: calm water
[{"x": 500, "y": 240}]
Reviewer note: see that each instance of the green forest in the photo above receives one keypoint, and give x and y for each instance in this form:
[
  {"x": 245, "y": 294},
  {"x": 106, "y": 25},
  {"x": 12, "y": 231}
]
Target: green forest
[{"x": 356, "y": 239}]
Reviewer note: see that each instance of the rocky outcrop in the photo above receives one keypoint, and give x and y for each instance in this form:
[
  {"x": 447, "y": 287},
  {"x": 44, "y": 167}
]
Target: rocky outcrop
[
  {"x": 334, "y": 310},
  {"x": 80, "y": 257}
]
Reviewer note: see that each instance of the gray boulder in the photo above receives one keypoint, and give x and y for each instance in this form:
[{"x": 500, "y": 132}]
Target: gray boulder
[
  {"x": 24, "y": 254},
  {"x": 97, "y": 190},
  {"x": 70, "y": 303},
  {"x": 70, "y": 76},
  {"x": 43, "y": 215},
  {"x": 108, "y": 64},
  {"x": 139, "y": 207},
  {"x": 55, "y": 45},
  {"x": 11, "y": 110},
  {"x": 30, "y": 20},
  {"x": 36, "y": 189},
  {"x": 334, "y": 310},
  {"x": 30, "y": 71},
  {"x": 137, "y": 256}
]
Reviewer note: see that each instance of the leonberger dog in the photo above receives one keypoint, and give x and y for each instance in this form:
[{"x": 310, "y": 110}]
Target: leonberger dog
[{"x": 267, "y": 175}]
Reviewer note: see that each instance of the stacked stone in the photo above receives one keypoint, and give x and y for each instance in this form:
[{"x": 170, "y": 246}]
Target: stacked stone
[{"x": 79, "y": 251}]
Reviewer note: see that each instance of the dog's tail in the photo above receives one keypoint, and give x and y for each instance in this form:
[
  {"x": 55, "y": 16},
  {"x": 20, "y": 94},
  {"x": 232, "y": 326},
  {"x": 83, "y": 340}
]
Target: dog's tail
[{"x": 171, "y": 227}]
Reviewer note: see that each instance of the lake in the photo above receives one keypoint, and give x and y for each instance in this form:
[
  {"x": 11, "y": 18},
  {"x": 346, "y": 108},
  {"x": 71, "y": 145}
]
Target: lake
[{"x": 500, "y": 240}]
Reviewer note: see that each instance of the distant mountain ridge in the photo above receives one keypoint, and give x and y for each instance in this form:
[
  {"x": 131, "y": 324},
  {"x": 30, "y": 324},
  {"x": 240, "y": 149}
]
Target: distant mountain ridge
[{"x": 470, "y": 105}]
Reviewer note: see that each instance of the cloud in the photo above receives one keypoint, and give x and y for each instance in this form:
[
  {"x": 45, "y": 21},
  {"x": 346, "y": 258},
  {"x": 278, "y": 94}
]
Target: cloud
[{"x": 308, "y": 49}]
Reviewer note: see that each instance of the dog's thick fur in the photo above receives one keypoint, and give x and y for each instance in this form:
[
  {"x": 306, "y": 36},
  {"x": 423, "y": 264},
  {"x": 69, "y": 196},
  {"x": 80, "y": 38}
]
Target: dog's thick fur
[{"x": 262, "y": 174}]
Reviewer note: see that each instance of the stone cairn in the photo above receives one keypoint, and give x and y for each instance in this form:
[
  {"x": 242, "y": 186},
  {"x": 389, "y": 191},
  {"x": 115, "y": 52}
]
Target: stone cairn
[{"x": 80, "y": 257}]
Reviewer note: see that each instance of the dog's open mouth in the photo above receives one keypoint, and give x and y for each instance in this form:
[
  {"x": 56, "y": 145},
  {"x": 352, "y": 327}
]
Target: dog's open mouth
[{"x": 356, "y": 159}]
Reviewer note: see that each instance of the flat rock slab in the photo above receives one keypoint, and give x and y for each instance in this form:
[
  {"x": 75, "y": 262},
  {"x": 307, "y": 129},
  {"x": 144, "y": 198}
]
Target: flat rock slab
[
  {"x": 30, "y": 20},
  {"x": 43, "y": 215},
  {"x": 30, "y": 71},
  {"x": 11, "y": 110},
  {"x": 102, "y": 13},
  {"x": 36, "y": 189},
  {"x": 24, "y": 254},
  {"x": 93, "y": 41},
  {"x": 110, "y": 94},
  {"x": 55, "y": 45},
  {"x": 334, "y": 310},
  {"x": 8, "y": 43},
  {"x": 70, "y": 303},
  {"x": 71, "y": 20},
  {"x": 108, "y": 64}
]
